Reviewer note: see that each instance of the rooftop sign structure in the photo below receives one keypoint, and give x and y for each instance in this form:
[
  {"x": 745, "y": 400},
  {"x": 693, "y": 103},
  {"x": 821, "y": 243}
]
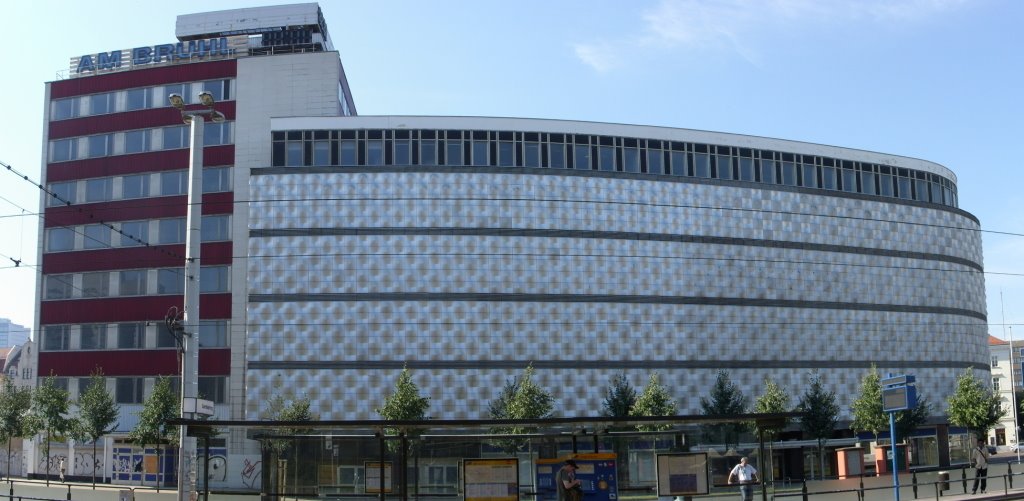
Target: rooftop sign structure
[{"x": 221, "y": 35}]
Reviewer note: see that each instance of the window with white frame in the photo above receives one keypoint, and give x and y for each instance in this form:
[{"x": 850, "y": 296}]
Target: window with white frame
[
  {"x": 60, "y": 239},
  {"x": 56, "y": 338},
  {"x": 132, "y": 282},
  {"x": 215, "y": 228},
  {"x": 128, "y": 390},
  {"x": 96, "y": 284},
  {"x": 171, "y": 231},
  {"x": 214, "y": 279},
  {"x": 59, "y": 286},
  {"x": 134, "y": 233},
  {"x": 170, "y": 281},
  {"x": 97, "y": 236},
  {"x": 99, "y": 190}
]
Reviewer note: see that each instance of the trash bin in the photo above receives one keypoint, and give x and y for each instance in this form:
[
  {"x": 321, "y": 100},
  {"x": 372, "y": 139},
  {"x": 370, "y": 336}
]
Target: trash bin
[{"x": 943, "y": 480}]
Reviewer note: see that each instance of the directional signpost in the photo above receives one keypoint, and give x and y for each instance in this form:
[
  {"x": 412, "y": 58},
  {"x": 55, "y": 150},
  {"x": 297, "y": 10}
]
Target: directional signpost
[{"x": 898, "y": 394}]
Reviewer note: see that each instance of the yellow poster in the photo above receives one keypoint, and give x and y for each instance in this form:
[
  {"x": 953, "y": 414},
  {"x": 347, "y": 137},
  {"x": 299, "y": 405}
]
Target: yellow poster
[{"x": 491, "y": 479}]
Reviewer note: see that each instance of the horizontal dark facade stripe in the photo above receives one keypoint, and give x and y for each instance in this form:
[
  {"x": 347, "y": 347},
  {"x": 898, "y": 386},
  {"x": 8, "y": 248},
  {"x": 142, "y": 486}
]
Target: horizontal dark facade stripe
[
  {"x": 135, "y": 209},
  {"x": 153, "y": 161},
  {"x": 613, "y": 235},
  {"x": 607, "y": 364},
  {"x": 537, "y": 171},
  {"x": 128, "y": 309},
  {"x": 611, "y": 298},
  {"x": 127, "y": 120},
  {"x": 81, "y": 363},
  {"x": 119, "y": 258},
  {"x": 156, "y": 75}
]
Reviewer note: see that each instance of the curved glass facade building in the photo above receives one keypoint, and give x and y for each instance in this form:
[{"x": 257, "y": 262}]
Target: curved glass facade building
[
  {"x": 468, "y": 248},
  {"x": 338, "y": 249}
]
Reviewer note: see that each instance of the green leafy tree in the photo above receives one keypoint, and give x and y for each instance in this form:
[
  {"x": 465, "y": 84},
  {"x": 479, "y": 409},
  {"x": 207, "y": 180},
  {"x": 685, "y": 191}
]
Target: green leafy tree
[
  {"x": 654, "y": 401},
  {"x": 405, "y": 404},
  {"x": 974, "y": 406},
  {"x": 152, "y": 428},
  {"x": 277, "y": 444},
  {"x": 774, "y": 400},
  {"x": 521, "y": 399},
  {"x": 726, "y": 399},
  {"x": 618, "y": 401},
  {"x": 820, "y": 415},
  {"x": 867, "y": 408},
  {"x": 49, "y": 413},
  {"x": 97, "y": 413},
  {"x": 498, "y": 408},
  {"x": 1019, "y": 398},
  {"x": 911, "y": 419},
  {"x": 529, "y": 401},
  {"x": 15, "y": 422},
  {"x": 620, "y": 398}
]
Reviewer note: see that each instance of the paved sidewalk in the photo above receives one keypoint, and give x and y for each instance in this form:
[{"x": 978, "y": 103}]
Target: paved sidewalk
[{"x": 881, "y": 488}]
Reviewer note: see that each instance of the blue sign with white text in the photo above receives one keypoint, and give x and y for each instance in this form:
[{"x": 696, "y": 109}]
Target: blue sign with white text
[{"x": 155, "y": 54}]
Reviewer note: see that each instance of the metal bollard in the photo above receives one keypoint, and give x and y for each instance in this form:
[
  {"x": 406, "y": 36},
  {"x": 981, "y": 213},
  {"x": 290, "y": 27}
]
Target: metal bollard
[
  {"x": 803, "y": 490},
  {"x": 913, "y": 480},
  {"x": 69, "y": 493},
  {"x": 963, "y": 478},
  {"x": 1009, "y": 473},
  {"x": 860, "y": 494}
]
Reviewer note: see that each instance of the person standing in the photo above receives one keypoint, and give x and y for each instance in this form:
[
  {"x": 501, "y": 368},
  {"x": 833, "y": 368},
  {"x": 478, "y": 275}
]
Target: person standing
[
  {"x": 979, "y": 457},
  {"x": 566, "y": 482},
  {"x": 746, "y": 475},
  {"x": 60, "y": 466}
]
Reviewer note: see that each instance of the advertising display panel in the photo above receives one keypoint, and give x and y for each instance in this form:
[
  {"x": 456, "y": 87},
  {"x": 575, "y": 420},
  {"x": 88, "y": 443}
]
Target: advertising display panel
[{"x": 597, "y": 474}]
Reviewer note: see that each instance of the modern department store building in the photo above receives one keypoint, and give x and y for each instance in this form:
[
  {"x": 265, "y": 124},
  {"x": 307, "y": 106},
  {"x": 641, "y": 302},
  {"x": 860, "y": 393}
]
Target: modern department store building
[{"x": 338, "y": 249}]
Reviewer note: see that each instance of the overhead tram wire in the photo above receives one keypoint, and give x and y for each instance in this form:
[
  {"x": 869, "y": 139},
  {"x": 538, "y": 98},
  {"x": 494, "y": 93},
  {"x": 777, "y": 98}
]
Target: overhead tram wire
[
  {"x": 148, "y": 203},
  {"x": 68, "y": 203}
]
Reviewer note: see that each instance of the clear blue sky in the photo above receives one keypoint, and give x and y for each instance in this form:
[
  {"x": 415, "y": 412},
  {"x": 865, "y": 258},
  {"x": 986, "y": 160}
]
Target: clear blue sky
[{"x": 939, "y": 80}]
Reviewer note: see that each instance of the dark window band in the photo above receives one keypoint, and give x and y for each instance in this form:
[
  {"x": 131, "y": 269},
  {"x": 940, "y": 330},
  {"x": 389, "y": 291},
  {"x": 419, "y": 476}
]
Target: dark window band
[
  {"x": 612, "y": 235},
  {"x": 268, "y": 171},
  {"x": 611, "y": 298},
  {"x": 608, "y": 364}
]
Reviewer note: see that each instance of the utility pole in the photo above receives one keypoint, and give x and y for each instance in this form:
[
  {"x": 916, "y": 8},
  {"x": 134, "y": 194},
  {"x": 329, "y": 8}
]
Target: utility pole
[{"x": 190, "y": 335}]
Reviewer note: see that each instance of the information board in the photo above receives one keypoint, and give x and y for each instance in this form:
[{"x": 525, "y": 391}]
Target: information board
[
  {"x": 597, "y": 475},
  {"x": 372, "y": 471},
  {"x": 490, "y": 479},
  {"x": 684, "y": 474}
]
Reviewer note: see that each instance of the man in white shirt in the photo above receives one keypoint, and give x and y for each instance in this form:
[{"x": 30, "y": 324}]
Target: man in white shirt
[
  {"x": 979, "y": 457},
  {"x": 747, "y": 476}
]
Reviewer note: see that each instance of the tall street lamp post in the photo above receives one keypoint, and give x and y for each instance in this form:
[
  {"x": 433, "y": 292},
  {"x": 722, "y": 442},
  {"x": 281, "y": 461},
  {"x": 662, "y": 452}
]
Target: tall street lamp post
[{"x": 197, "y": 117}]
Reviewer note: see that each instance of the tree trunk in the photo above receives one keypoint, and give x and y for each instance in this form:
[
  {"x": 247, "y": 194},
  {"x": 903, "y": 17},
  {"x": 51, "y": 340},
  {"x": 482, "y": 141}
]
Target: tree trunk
[
  {"x": 821, "y": 459},
  {"x": 47, "y": 457},
  {"x": 94, "y": 463}
]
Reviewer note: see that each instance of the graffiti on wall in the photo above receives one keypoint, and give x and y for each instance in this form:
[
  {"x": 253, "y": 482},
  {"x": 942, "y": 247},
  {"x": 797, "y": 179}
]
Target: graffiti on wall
[
  {"x": 14, "y": 463},
  {"x": 251, "y": 473},
  {"x": 217, "y": 470}
]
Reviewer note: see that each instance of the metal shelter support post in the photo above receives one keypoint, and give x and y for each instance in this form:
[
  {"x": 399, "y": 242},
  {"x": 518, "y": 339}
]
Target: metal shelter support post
[
  {"x": 405, "y": 468},
  {"x": 760, "y": 441},
  {"x": 383, "y": 447}
]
